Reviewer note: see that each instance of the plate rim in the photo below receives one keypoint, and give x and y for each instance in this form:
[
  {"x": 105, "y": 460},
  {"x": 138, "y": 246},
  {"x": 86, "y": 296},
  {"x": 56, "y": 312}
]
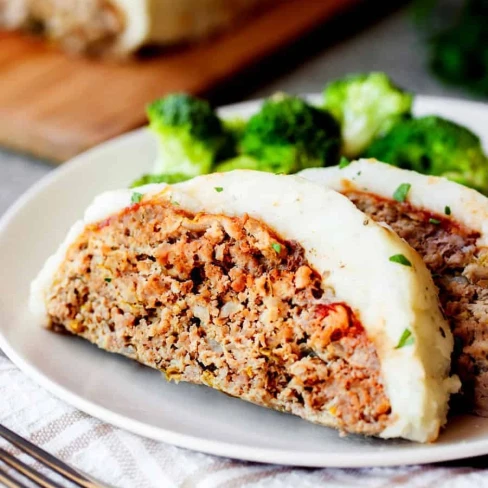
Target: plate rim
[{"x": 420, "y": 455}]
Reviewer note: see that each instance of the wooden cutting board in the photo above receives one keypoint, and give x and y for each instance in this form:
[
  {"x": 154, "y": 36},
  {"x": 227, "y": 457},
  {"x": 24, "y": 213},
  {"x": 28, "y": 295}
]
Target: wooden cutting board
[{"x": 56, "y": 106}]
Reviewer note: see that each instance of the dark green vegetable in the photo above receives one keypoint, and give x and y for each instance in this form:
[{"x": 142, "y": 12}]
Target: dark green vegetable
[
  {"x": 234, "y": 127},
  {"x": 435, "y": 146},
  {"x": 366, "y": 106},
  {"x": 405, "y": 340},
  {"x": 447, "y": 210},
  {"x": 191, "y": 136},
  {"x": 164, "y": 178},
  {"x": 288, "y": 135},
  {"x": 239, "y": 162},
  {"x": 400, "y": 259},
  {"x": 458, "y": 49}
]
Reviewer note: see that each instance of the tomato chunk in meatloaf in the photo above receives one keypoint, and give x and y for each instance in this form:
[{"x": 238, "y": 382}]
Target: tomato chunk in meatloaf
[
  {"x": 221, "y": 301},
  {"x": 460, "y": 271}
]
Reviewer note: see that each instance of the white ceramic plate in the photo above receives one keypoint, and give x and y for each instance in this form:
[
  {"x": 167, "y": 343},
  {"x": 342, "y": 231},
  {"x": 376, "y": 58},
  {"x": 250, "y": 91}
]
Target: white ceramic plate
[{"x": 138, "y": 399}]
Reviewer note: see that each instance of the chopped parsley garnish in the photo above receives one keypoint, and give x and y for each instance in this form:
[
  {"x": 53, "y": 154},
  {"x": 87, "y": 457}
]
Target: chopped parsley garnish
[
  {"x": 447, "y": 210},
  {"x": 174, "y": 202},
  {"x": 401, "y": 192},
  {"x": 434, "y": 221},
  {"x": 405, "y": 340},
  {"x": 344, "y": 162},
  {"x": 276, "y": 247},
  {"x": 108, "y": 280},
  {"x": 136, "y": 197},
  {"x": 400, "y": 259},
  {"x": 218, "y": 189}
]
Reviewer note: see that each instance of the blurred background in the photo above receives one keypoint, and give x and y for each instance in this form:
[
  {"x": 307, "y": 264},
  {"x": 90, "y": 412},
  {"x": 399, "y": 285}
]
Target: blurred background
[{"x": 432, "y": 47}]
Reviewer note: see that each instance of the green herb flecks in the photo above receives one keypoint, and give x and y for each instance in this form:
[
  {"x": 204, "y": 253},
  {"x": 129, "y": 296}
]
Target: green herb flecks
[
  {"x": 400, "y": 259},
  {"x": 108, "y": 280},
  {"x": 276, "y": 247},
  {"x": 434, "y": 221},
  {"x": 136, "y": 197},
  {"x": 344, "y": 162},
  {"x": 401, "y": 192},
  {"x": 406, "y": 339},
  {"x": 447, "y": 210},
  {"x": 218, "y": 189}
]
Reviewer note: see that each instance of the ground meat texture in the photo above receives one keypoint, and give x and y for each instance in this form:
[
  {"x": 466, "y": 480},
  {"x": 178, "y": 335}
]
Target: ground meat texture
[
  {"x": 460, "y": 271},
  {"x": 224, "y": 302}
]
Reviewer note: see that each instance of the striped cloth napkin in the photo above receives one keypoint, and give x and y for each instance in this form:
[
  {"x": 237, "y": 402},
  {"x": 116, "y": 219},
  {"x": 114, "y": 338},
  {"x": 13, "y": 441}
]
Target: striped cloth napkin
[{"x": 122, "y": 459}]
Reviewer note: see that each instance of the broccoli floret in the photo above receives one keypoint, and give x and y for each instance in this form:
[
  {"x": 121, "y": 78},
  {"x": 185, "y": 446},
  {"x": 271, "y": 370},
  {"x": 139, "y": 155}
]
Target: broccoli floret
[
  {"x": 366, "y": 106},
  {"x": 234, "y": 128},
  {"x": 435, "y": 146},
  {"x": 288, "y": 135},
  {"x": 240, "y": 162},
  {"x": 191, "y": 136},
  {"x": 159, "y": 178}
]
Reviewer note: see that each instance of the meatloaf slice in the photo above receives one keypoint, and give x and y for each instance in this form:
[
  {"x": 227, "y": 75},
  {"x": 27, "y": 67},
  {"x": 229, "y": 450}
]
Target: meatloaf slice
[
  {"x": 242, "y": 315},
  {"x": 257, "y": 305},
  {"x": 445, "y": 222},
  {"x": 459, "y": 271}
]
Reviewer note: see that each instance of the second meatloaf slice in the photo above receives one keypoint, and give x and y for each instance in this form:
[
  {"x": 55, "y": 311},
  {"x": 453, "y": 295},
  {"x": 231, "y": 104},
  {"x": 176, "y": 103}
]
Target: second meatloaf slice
[{"x": 447, "y": 223}]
